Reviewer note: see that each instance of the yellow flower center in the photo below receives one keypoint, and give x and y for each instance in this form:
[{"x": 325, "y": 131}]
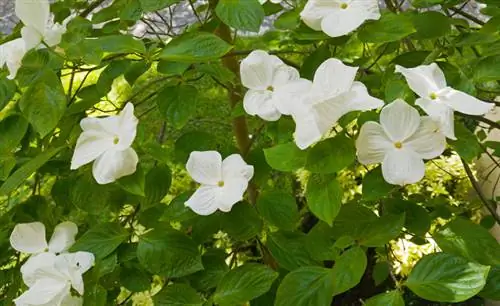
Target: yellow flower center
[
  {"x": 343, "y": 6},
  {"x": 433, "y": 96},
  {"x": 116, "y": 140},
  {"x": 270, "y": 88},
  {"x": 398, "y": 145},
  {"x": 220, "y": 184}
]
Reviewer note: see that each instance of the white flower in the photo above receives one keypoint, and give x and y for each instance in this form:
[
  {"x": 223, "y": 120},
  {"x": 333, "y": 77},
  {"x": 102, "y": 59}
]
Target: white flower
[
  {"x": 222, "y": 182},
  {"x": 11, "y": 54},
  {"x": 332, "y": 94},
  {"x": 273, "y": 1},
  {"x": 38, "y": 25},
  {"x": 53, "y": 282},
  {"x": 400, "y": 142},
  {"x": 267, "y": 77},
  {"x": 339, "y": 17},
  {"x": 108, "y": 141},
  {"x": 438, "y": 100}
]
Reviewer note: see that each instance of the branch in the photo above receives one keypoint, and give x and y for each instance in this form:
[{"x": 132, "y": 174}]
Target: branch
[
  {"x": 489, "y": 122},
  {"x": 467, "y": 15},
  {"x": 91, "y": 7}
]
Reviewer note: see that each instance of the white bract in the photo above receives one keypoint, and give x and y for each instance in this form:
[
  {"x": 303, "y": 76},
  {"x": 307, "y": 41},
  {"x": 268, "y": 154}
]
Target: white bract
[
  {"x": 267, "y": 77},
  {"x": 438, "y": 100},
  {"x": 223, "y": 183},
  {"x": 332, "y": 94},
  {"x": 339, "y": 17},
  {"x": 11, "y": 54},
  {"x": 400, "y": 142},
  {"x": 107, "y": 142},
  {"x": 272, "y": 1}
]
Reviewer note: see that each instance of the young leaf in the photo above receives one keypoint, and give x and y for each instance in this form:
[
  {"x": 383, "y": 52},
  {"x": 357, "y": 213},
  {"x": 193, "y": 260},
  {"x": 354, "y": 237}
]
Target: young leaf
[
  {"x": 285, "y": 157},
  {"x": 331, "y": 155},
  {"x": 390, "y": 27},
  {"x": 348, "y": 269},
  {"x": 279, "y": 209},
  {"x": 324, "y": 197}
]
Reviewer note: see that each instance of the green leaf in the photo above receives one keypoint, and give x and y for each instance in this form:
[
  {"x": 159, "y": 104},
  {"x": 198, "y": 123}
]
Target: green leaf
[
  {"x": 101, "y": 240},
  {"x": 348, "y": 269},
  {"x": 168, "y": 253},
  {"x": 380, "y": 272},
  {"x": 246, "y": 15},
  {"x": 23, "y": 173},
  {"x": 290, "y": 250},
  {"x": 382, "y": 230},
  {"x": 466, "y": 145},
  {"x": 488, "y": 69},
  {"x": 306, "y": 286},
  {"x": 135, "y": 280},
  {"x": 116, "y": 44},
  {"x": 158, "y": 181},
  {"x": 178, "y": 104},
  {"x": 193, "y": 141},
  {"x": 442, "y": 277},
  {"x": 431, "y": 25},
  {"x": 133, "y": 183},
  {"x": 331, "y": 155},
  {"x": 492, "y": 289},
  {"x": 195, "y": 47},
  {"x": 242, "y": 222},
  {"x": 425, "y": 3},
  {"x": 44, "y": 103},
  {"x": 463, "y": 238},
  {"x": 7, "y": 91},
  {"x": 12, "y": 130},
  {"x": 177, "y": 295},
  {"x": 215, "y": 267},
  {"x": 391, "y": 298},
  {"x": 324, "y": 197},
  {"x": 285, "y": 157},
  {"x": 89, "y": 196},
  {"x": 314, "y": 60},
  {"x": 105, "y": 266},
  {"x": 288, "y": 20},
  {"x": 418, "y": 220},
  {"x": 279, "y": 209},
  {"x": 390, "y": 27},
  {"x": 155, "y": 5},
  {"x": 374, "y": 185},
  {"x": 344, "y": 225},
  {"x": 7, "y": 164},
  {"x": 95, "y": 296},
  {"x": 244, "y": 283},
  {"x": 172, "y": 68}
]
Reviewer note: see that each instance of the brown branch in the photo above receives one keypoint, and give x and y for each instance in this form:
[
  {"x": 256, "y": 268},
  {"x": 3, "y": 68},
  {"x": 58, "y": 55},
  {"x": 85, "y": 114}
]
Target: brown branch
[{"x": 91, "y": 7}]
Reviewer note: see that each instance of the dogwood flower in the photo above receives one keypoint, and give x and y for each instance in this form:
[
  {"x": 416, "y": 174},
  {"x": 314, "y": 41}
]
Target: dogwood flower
[
  {"x": 53, "y": 283},
  {"x": 332, "y": 94},
  {"x": 267, "y": 77},
  {"x": 439, "y": 100},
  {"x": 400, "y": 142},
  {"x": 222, "y": 182},
  {"x": 272, "y": 1},
  {"x": 38, "y": 25},
  {"x": 11, "y": 54},
  {"x": 339, "y": 17},
  {"x": 107, "y": 142}
]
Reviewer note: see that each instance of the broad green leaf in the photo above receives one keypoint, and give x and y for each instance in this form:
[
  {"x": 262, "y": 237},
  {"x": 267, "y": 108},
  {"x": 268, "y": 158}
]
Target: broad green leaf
[
  {"x": 133, "y": 183},
  {"x": 116, "y": 44},
  {"x": 131, "y": 10},
  {"x": 101, "y": 240},
  {"x": 214, "y": 269},
  {"x": 172, "y": 68},
  {"x": 246, "y": 15},
  {"x": 193, "y": 141},
  {"x": 218, "y": 71},
  {"x": 86, "y": 194},
  {"x": 96, "y": 295},
  {"x": 331, "y": 155},
  {"x": 417, "y": 221},
  {"x": 390, "y": 27},
  {"x": 391, "y": 298},
  {"x": 177, "y": 295},
  {"x": 288, "y": 21},
  {"x": 305, "y": 287},
  {"x": 492, "y": 289},
  {"x": 348, "y": 269},
  {"x": 466, "y": 145},
  {"x": 324, "y": 197},
  {"x": 111, "y": 72},
  {"x": 344, "y": 225},
  {"x": 23, "y": 173},
  {"x": 463, "y": 238},
  {"x": 135, "y": 279},
  {"x": 135, "y": 71},
  {"x": 314, "y": 60},
  {"x": 431, "y": 24},
  {"x": 169, "y": 253},
  {"x": 290, "y": 250},
  {"x": 244, "y": 283},
  {"x": 155, "y": 5},
  {"x": 44, "y": 103},
  {"x": 374, "y": 185},
  {"x": 488, "y": 69},
  {"x": 7, "y": 91},
  {"x": 442, "y": 277},
  {"x": 380, "y": 272},
  {"x": 195, "y": 47},
  {"x": 12, "y": 130},
  {"x": 279, "y": 209},
  {"x": 242, "y": 222},
  {"x": 178, "y": 104},
  {"x": 7, "y": 164},
  {"x": 158, "y": 181},
  {"x": 382, "y": 230},
  {"x": 285, "y": 157},
  {"x": 105, "y": 266},
  {"x": 37, "y": 63}
]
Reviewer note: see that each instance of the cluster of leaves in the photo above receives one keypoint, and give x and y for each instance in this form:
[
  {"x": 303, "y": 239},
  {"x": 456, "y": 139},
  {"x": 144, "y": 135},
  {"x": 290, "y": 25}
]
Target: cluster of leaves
[{"x": 298, "y": 239}]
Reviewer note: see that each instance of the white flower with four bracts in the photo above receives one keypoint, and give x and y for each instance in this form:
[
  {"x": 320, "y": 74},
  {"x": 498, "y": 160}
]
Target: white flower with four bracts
[
  {"x": 332, "y": 94},
  {"x": 267, "y": 78},
  {"x": 400, "y": 142},
  {"x": 339, "y": 17},
  {"x": 439, "y": 100},
  {"x": 107, "y": 142},
  {"x": 223, "y": 183}
]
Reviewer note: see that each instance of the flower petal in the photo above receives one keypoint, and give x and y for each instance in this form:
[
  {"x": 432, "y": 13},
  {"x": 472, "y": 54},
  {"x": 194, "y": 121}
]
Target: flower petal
[
  {"x": 402, "y": 167},
  {"x": 261, "y": 103},
  {"x": 205, "y": 167},
  {"x": 467, "y": 104},
  {"x": 342, "y": 21},
  {"x": 287, "y": 97},
  {"x": 54, "y": 35},
  {"x": 29, "y": 238},
  {"x": 89, "y": 146},
  {"x": 114, "y": 164},
  {"x": 315, "y": 11},
  {"x": 127, "y": 126},
  {"x": 231, "y": 193},
  {"x": 35, "y": 13},
  {"x": 11, "y": 54},
  {"x": 63, "y": 237},
  {"x": 399, "y": 120},
  {"x": 428, "y": 141},
  {"x": 440, "y": 112},
  {"x": 33, "y": 264},
  {"x": 204, "y": 200},
  {"x": 360, "y": 99},
  {"x": 234, "y": 167},
  {"x": 46, "y": 291},
  {"x": 31, "y": 36},
  {"x": 425, "y": 79},
  {"x": 73, "y": 265},
  {"x": 257, "y": 70},
  {"x": 372, "y": 143},
  {"x": 284, "y": 74},
  {"x": 333, "y": 78}
]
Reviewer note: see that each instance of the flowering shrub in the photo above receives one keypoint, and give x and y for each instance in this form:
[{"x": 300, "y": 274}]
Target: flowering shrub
[{"x": 324, "y": 161}]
